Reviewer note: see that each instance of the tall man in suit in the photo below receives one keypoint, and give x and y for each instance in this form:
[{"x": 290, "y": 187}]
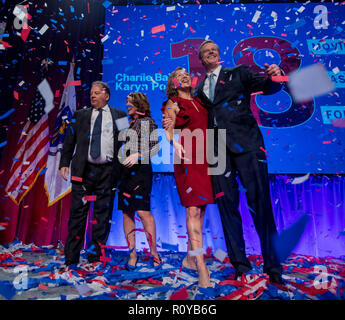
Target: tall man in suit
[
  {"x": 95, "y": 170},
  {"x": 226, "y": 94}
]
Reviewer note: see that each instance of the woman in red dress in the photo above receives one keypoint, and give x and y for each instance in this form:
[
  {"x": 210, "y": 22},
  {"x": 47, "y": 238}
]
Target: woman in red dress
[{"x": 190, "y": 165}]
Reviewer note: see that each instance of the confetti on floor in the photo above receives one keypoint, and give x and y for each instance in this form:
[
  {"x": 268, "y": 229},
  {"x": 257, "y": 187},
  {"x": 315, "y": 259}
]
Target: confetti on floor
[{"x": 28, "y": 272}]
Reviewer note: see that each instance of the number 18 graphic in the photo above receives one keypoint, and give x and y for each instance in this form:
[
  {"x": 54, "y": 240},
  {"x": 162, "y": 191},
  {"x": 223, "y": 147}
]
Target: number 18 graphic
[{"x": 277, "y": 110}]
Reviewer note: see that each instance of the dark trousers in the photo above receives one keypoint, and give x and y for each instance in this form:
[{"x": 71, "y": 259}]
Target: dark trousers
[
  {"x": 97, "y": 182},
  {"x": 251, "y": 169}
]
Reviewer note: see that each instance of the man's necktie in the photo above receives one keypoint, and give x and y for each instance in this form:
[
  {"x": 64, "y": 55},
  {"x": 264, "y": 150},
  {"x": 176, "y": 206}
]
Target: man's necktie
[
  {"x": 212, "y": 86},
  {"x": 95, "y": 150}
]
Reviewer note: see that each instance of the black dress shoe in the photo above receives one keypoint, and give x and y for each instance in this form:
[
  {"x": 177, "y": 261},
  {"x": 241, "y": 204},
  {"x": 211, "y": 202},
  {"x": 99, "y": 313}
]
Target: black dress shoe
[
  {"x": 240, "y": 270},
  {"x": 276, "y": 278},
  {"x": 93, "y": 258},
  {"x": 238, "y": 275},
  {"x": 69, "y": 263}
]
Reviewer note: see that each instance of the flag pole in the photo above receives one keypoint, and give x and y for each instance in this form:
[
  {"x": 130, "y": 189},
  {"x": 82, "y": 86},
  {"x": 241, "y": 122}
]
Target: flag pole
[{"x": 59, "y": 245}]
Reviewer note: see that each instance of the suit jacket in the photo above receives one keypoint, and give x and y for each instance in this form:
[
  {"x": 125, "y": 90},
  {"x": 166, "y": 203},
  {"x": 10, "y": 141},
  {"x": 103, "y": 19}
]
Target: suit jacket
[
  {"x": 78, "y": 135},
  {"x": 231, "y": 106}
]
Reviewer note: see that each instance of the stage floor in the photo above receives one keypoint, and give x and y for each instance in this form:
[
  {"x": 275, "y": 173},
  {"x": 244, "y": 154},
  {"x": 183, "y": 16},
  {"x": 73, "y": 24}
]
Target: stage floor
[{"x": 28, "y": 272}]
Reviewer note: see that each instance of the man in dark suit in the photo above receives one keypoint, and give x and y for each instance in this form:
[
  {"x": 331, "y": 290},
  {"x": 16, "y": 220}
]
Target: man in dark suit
[
  {"x": 226, "y": 93},
  {"x": 95, "y": 170}
]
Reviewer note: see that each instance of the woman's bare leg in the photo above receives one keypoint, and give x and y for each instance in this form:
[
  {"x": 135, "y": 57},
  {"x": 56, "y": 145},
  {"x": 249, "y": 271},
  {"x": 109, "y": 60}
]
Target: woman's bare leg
[
  {"x": 129, "y": 226},
  {"x": 194, "y": 227},
  {"x": 150, "y": 228}
]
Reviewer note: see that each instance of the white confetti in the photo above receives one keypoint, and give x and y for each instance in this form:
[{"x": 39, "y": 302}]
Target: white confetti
[
  {"x": 172, "y": 8},
  {"x": 336, "y": 70},
  {"x": 43, "y": 29},
  {"x": 256, "y": 16},
  {"x": 220, "y": 254},
  {"x": 105, "y": 38},
  {"x": 299, "y": 180}
]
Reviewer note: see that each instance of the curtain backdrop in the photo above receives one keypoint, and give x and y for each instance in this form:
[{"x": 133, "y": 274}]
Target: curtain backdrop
[{"x": 320, "y": 196}]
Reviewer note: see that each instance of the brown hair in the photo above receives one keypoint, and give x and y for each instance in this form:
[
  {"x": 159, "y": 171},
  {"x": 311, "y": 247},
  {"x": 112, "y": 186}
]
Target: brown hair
[
  {"x": 140, "y": 101},
  {"x": 171, "y": 90}
]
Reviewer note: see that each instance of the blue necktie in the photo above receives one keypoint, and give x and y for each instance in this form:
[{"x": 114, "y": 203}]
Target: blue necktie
[
  {"x": 95, "y": 150},
  {"x": 212, "y": 86}
]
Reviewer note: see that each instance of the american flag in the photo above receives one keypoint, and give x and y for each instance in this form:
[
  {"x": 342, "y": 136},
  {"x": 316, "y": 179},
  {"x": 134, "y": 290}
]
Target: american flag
[{"x": 31, "y": 152}]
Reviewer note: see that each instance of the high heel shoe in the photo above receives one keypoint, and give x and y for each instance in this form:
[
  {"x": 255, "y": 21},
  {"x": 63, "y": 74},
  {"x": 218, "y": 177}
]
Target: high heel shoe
[
  {"x": 154, "y": 260},
  {"x": 130, "y": 267}
]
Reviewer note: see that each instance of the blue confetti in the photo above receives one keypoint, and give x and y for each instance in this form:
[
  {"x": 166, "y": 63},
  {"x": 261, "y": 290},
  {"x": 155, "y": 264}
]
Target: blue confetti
[
  {"x": 6, "y": 114},
  {"x": 2, "y": 144},
  {"x": 106, "y": 4}
]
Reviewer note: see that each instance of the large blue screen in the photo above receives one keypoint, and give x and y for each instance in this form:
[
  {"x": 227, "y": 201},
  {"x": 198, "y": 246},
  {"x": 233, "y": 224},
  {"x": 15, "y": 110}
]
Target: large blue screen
[{"x": 144, "y": 44}]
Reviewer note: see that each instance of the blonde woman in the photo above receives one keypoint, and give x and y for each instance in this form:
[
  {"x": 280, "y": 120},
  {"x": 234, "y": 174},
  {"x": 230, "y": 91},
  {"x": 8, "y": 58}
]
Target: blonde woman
[{"x": 192, "y": 179}]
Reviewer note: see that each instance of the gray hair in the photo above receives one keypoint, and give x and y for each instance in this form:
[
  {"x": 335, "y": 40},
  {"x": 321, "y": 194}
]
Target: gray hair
[{"x": 103, "y": 85}]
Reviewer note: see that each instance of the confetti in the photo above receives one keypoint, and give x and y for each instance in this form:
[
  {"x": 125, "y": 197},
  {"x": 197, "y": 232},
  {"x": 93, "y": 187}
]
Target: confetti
[
  {"x": 299, "y": 180},
  {"x": 43, "y": 30},
  {"x": 74, "y": 83},
  {"x": 189, "y": 190},
  {"x": 157, "y": 29},
  {"x": 219, "y": 194},
  {"x": 196, "y": 252},
  {"x": 90, "y": 198},
  {"x": 309, "y": 82},
  {"x": 256, "y": 16},
  {"x": 180, "y": 294},
  {"x": 78, "y": 179},
  {"x": 220, "y": 254},
  {"x": 280, "y": 78}
]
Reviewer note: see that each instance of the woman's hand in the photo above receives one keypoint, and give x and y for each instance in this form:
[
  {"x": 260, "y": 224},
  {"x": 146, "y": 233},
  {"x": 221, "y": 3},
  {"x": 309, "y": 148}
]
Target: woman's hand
[
  {"x": 166, "y": 122},
  {"x": 131, "y": 160},
  {"x": 179, "y": 150}
]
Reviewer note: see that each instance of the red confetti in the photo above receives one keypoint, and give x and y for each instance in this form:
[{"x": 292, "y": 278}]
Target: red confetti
[
  {"x": 42, "y": 286},
  {"x": 194, "y": 82},
  {"x": 74, "y": 83},
  {"x": 74, "y": 178},
  {"x": 181, "y": 294},
  {"x": 280, "y": 78},
  {"x": 255, "y": 93},
  {"x": 176, "y": 83},
  {"x": 90, "y": 198},
  {"x": 157, "y": 29},
  {"x": 25, "y": 32},
  {"x": 220, "y": 194}
]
